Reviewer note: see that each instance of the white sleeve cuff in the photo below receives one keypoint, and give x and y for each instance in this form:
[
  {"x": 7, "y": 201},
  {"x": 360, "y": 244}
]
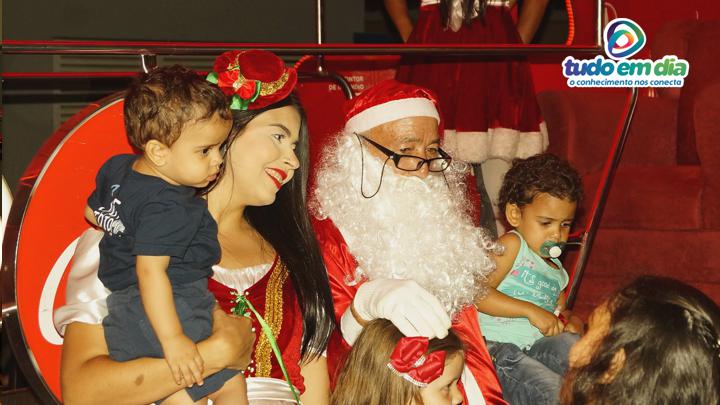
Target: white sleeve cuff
[
  {"x": 85, "y": 296},
  {"x": 350, "y": 327}
]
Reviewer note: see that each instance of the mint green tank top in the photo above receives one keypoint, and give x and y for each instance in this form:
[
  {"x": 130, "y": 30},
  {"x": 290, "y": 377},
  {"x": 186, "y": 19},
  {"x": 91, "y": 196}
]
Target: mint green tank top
[{"x": 530, "y": 279}]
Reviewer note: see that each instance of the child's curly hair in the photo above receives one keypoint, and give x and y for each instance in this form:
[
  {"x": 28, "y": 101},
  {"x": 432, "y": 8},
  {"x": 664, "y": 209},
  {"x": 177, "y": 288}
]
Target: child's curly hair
[
  {"x": 542, "y": 173},
  {"x": 160, "y": 103}
]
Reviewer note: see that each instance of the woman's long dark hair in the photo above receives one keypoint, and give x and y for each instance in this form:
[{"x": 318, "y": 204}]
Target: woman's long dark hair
[
  {"x": 467, "y": 6},
  {"x": 669, "y": 333},
  {"x": 285, "y": 224}
]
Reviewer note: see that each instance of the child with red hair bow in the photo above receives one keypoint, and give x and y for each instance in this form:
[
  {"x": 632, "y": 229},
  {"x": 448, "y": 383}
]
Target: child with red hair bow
[{"x": 385, "y": 367}]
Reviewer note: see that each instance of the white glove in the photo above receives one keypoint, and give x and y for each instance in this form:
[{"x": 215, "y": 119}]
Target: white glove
[{"x": 413, "y": 310}]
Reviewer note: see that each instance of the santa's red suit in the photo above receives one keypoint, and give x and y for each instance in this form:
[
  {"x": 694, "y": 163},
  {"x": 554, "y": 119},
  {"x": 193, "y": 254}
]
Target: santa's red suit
[{"x": 341, "y": 267}]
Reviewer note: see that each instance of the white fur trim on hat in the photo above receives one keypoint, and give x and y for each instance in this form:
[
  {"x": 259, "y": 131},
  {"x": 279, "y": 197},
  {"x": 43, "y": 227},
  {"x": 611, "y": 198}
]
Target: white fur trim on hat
[{"x": 391, "y": 111}]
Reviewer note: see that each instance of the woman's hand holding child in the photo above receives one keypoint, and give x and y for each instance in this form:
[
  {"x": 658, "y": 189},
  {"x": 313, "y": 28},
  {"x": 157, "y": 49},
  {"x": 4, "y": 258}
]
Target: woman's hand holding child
[{"x": 236, "y": 337}]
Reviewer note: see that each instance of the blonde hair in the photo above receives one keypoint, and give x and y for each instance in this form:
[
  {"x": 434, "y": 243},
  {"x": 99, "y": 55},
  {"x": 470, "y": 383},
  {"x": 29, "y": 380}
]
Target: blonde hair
[{"x": 365, "y": 378}]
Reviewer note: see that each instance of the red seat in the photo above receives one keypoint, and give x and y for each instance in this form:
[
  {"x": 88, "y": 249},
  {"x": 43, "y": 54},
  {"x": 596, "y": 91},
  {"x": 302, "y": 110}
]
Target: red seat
[
  {"x": 47, "y": 218},
  {"x": 663, "y": 211}
]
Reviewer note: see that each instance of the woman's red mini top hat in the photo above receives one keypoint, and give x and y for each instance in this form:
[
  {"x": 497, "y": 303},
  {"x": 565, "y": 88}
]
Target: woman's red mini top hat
[{"x": 253, "y": 79}]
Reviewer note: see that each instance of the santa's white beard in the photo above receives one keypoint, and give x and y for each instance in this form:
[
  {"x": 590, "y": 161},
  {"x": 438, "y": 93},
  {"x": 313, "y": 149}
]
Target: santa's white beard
[{"x": 412, "y": 228}]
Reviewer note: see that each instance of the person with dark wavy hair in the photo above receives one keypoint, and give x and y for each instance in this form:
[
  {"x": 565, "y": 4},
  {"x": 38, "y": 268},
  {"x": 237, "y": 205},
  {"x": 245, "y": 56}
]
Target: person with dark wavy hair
[
  {"x": 543, "y": 173},
  {"x": 269, "y": 255},
  {"x": 655, "y": 341},
  {"x": 529, "y": 331}
]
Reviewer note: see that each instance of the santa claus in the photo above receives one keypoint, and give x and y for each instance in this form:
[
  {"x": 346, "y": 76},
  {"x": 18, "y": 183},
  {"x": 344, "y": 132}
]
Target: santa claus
[{"x": 392, "y": 218}]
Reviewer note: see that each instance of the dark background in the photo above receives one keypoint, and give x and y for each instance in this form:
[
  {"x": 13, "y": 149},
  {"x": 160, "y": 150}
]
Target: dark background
[{"x": 34, "y": 109}]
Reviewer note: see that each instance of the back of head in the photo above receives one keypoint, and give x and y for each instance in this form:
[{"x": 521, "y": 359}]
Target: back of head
[
  {"x": 367, "y": 380},
  {"x": 541, "y": 173},
  {"x": 159, "y": 103},
  {"x": 463, "y": 10},
  {"x": 670, "y": 335}
]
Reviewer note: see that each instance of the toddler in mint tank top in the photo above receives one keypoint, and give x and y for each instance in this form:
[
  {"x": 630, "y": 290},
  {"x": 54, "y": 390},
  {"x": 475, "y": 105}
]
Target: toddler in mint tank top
[{"x": 528, "y": 330}]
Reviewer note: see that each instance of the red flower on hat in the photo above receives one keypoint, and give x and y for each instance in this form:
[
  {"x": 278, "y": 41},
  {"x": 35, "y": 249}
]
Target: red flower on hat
[
  {"x": 226, "y": 61},
  {"x": 227, "y": 70},
  {"x": 226, "y": 81},
  {"x": 410, "y": 362},
  {"x": 247, "y": 90}
]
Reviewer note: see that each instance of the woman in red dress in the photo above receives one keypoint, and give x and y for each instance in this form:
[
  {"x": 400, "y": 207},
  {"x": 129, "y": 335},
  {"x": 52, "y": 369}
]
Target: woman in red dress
[{"x": 269, "y": 253}]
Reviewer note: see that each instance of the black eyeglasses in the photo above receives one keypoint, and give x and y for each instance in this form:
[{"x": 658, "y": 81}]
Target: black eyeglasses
[{"x": 410, "y": 163}]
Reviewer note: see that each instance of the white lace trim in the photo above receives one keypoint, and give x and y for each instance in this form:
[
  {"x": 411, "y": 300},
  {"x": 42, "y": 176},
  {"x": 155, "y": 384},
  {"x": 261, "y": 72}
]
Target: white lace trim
[
  {"x": 490, "y": 3},
  {"x": 240, "y": 279},
  {"x": 496, "y": 143}
]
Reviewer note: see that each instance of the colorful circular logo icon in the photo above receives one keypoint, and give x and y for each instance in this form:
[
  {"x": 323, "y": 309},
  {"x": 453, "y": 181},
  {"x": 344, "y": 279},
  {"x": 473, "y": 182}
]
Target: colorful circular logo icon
[{"x": 623, "y": 38}]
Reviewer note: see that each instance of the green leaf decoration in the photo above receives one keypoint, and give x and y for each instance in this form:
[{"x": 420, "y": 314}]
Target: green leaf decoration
[
  {"x": 237, "y": 103},
  {"x": 258, "y": 83},
  {"x": 212, "y": 77}
]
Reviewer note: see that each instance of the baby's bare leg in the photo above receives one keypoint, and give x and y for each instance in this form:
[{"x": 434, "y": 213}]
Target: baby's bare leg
[
  {"x": 233, "y": 392},
  {"x": 182, "y": 398}
]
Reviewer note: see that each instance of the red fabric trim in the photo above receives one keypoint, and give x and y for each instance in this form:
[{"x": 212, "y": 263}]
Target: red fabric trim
[
  {"x": 477, "y": 358},
  {"x": 291, "y": 331}
]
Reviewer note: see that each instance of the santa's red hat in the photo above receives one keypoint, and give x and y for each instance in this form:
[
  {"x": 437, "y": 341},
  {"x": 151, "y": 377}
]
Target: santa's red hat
[{"x": 387, "y": 101}]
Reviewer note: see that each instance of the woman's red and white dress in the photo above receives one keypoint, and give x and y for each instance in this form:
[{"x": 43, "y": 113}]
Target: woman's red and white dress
[
  {"x": 488, "y": 103},
  {"x": 268, "y": 287}
]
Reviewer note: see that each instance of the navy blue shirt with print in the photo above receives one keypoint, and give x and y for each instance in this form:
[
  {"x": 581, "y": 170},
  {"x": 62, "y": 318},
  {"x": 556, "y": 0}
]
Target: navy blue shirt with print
[{"x": 145, "y": 215}]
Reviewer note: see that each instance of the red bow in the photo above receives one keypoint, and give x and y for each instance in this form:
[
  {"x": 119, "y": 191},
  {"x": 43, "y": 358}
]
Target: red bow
[{"x": 410, "y": 362}]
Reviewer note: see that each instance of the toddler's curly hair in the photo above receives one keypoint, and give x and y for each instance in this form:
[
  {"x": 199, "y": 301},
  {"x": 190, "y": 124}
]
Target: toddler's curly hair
[
  {"x": 160, "y": 103},
  {"x": 542, "y": 173}
]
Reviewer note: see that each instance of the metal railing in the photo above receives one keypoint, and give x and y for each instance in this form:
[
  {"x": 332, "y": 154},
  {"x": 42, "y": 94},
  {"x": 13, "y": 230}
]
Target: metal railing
[{"x": 27, "y": 47}]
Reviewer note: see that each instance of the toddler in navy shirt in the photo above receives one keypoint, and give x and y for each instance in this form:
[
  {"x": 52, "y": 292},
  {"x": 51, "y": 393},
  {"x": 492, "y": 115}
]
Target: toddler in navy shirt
[{"x": 160, "y": 241}]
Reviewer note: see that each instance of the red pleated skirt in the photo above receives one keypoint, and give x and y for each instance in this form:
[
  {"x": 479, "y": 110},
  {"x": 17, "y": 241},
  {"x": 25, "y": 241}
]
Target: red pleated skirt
[{"x": 488, "y": 103}]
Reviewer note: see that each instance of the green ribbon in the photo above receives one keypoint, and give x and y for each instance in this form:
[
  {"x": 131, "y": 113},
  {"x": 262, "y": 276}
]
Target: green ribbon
[
  {"x": 212, "y": 77},
  {"x": 243, "y": 307},
  {"x": 258, "y": 84},
  {"x": 237, "y": 102}
]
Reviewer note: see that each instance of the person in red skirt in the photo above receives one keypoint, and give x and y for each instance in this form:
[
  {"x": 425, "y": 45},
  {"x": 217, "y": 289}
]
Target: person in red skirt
[{"x": 490, "y": 111}]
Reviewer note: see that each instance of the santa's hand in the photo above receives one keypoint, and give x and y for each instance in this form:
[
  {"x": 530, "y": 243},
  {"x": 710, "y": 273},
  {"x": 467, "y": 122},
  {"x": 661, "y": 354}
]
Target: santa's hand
[{"x": 413, "y": 310}]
